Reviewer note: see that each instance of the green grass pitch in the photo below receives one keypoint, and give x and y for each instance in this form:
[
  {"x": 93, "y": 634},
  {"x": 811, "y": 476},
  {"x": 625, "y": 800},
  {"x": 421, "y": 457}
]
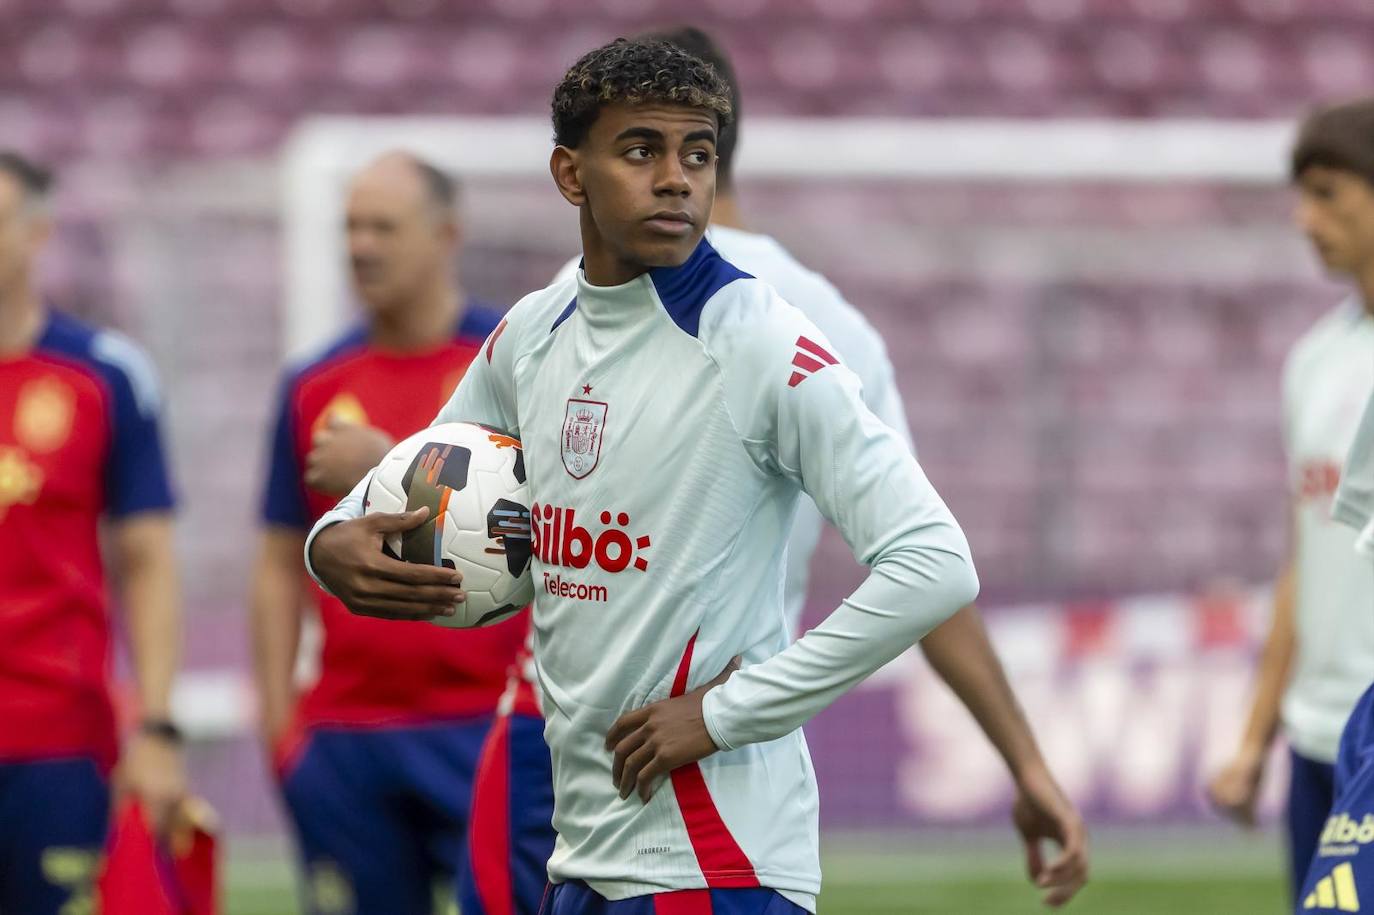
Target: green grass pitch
[{"x": 1218, "y": 873}]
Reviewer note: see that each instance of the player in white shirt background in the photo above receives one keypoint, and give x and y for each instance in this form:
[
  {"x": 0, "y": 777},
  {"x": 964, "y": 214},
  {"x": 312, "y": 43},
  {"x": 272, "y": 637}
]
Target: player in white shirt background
[
  {"x": 959, "y": 649},
  {"x": 728, "y": 404},
  {"x": 1319, "y": 654}
]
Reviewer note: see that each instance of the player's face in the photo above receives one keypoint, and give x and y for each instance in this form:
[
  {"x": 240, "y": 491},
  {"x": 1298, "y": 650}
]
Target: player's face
[
  {"x": 398, "y": 245},
  {"x": 22, "y": 233},
  {"x": 1336, "y": 212},
  {"x": 645, "y": 179}
]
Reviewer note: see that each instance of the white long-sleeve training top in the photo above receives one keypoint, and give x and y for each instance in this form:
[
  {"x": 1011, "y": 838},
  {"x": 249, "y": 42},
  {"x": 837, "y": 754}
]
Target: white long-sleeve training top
[
  {"x": 857, "y": 344},
  {"x": 669, "y": 425}
]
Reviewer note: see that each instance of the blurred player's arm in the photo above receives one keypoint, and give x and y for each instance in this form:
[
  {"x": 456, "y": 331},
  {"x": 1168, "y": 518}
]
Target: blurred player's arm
[
  {"x": 343, "y": 551},
  {"x": 275, "y": 620},
  {"x": 142, "y": 555},
  {"x": 961, "y": 653},
  {"x": 1235, "y": 789},
  {"x": 145, "y": 561},
  {"x": 144, "y": 558},
  {"x": 277, "y": 590}
]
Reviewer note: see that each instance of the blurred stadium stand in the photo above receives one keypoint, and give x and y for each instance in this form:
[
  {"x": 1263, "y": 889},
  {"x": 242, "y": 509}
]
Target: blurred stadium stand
[
  {"x": 1091, "y": 368},
  {"x": 173, "y": 78}
]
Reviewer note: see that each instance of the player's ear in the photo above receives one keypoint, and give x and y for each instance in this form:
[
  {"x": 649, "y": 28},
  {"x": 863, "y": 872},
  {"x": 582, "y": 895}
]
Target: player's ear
[{"x": 563, "y": 166}]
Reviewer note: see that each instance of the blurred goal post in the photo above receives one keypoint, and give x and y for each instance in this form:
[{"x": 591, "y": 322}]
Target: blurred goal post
[{"x": 322, "y": 153}]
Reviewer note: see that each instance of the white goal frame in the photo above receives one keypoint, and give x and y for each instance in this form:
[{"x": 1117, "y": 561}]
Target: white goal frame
[{"x": 322, "y": 152}]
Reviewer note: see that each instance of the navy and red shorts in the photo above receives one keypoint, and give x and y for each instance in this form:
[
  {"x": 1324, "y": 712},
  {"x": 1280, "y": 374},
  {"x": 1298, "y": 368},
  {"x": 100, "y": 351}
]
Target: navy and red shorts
[
  {"x": 55, "y": 816},
  {"x": 381, "y": 815}
]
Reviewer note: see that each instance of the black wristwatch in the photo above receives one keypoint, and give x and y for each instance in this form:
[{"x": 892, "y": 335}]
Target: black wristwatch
[{"x": 163, "y": 729}]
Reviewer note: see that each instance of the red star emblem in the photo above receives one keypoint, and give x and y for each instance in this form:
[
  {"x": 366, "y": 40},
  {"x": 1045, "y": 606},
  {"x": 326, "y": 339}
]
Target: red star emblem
[{"x": 586, "y": 389}]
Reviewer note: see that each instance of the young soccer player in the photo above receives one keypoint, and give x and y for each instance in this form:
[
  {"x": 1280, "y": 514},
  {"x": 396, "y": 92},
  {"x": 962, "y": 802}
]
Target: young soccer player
[
  {"x": 376, "y": 758},
  {"x": 714, "y": 405},
  {"x": 512, "y": 835},
  {"x": 1319, "y": 654},
  {"x": 78, "y": 443}
]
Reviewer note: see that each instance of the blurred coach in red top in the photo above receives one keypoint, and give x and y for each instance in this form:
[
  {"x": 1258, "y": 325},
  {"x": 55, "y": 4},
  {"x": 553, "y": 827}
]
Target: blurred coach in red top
[
  {"x": 376, "y": 758},
  {"x": 78, "y": 442}
]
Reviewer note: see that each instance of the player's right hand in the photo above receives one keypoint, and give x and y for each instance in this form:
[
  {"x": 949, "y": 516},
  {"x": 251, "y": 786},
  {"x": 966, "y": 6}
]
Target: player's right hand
[
  {"x": 348, "y": 558},
  {"x": 342, "y": 453},
  {"x": 1042, "y": 812},
  {"x": 1234, "y": 790}
]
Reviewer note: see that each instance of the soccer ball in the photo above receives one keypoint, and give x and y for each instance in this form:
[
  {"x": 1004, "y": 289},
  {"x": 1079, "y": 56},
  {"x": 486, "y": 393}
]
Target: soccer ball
[{"x": 473, "y": 480}]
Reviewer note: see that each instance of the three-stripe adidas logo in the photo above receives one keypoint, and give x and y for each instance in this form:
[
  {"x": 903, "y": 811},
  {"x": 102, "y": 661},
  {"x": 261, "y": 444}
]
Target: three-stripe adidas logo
[
  {"x": 810, "y": 358},
  {"x": 1336, "y": 892}
]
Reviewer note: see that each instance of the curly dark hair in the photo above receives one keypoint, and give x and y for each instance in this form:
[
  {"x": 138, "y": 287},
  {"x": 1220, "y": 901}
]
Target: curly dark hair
[
  {"x": 634, "y": 73},
  {"x": 701, "y": 45}
]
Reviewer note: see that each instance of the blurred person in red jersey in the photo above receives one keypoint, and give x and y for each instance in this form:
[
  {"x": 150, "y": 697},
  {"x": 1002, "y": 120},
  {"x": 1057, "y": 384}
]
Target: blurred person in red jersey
[
  {"x": 79, "y": 443},
  {"x": 376, "y": 757},
  {"x": 1319, "y": 654}
]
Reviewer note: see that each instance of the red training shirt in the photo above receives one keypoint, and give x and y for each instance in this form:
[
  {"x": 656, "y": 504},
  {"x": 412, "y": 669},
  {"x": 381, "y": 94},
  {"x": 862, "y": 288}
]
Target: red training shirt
[
  {"x": 78, "y": 440},
  {"x": 383, "y": 673}
]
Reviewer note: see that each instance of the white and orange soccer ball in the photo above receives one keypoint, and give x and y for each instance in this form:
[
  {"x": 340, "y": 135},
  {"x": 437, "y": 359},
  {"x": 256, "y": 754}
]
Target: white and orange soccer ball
[{"x": 473, "y": 480}]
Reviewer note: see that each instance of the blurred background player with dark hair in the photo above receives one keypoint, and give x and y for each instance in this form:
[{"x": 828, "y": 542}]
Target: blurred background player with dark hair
[
  {"x": 376, "y": 759},
  {"x": 508, "y": 799},
  {"x": 79, "y": 414},
  {"x": 1319, "y": 655}
]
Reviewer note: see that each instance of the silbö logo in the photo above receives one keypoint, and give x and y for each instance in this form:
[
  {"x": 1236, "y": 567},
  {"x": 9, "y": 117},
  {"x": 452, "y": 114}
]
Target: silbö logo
[{"x": 560, "y": 541}]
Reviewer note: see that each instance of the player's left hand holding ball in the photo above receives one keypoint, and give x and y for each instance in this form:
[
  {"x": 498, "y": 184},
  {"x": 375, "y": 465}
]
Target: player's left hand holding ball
[
  {"x": 1041, "y": 813},
  {"x": 652, "y": 741}
]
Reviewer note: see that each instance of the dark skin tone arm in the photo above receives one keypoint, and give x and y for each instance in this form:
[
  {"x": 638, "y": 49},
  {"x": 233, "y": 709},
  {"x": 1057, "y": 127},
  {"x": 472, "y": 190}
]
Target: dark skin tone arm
[{"x": 962, "y": 655}]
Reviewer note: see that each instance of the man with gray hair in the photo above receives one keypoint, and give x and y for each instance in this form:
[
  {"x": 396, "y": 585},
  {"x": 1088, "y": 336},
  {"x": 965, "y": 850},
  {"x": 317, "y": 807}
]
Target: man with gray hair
[{"x": 376, "y": 757}]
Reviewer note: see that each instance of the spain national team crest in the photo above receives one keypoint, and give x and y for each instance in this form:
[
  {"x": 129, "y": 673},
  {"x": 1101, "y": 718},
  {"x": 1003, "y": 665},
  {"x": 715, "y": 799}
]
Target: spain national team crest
[
  {"x": 344, "y": 407},
  {"x": 584, "y": 425},
  {"x": 43, "y": 417}
]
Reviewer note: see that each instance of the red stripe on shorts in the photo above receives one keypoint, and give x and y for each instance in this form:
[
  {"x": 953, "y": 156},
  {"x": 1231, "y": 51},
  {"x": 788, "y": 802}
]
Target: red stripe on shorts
[{"x": 683, "y": 902}]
